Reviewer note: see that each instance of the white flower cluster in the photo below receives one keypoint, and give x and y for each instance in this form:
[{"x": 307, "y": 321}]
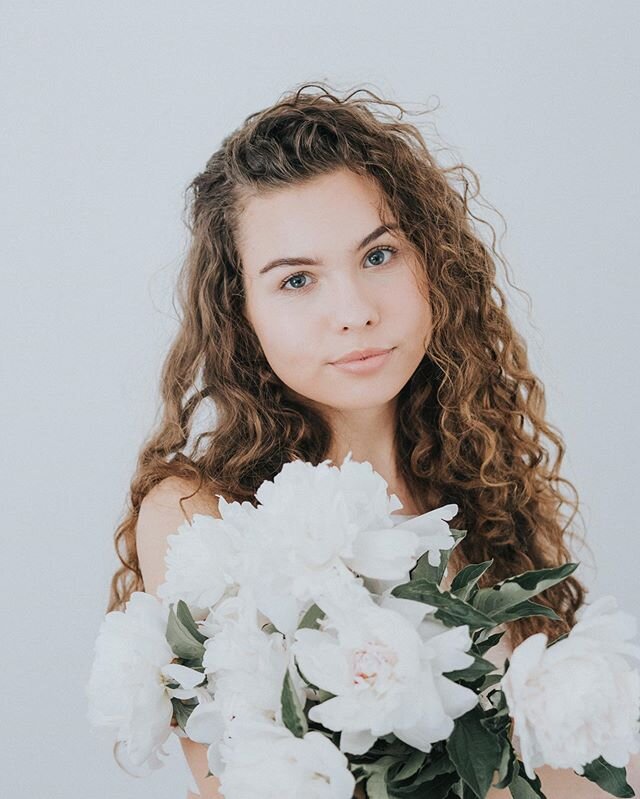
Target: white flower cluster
[
  {"x": 322, "y": 536},
  {"x": 578, "y": 699},
  {"x": 293, "y": 608}
]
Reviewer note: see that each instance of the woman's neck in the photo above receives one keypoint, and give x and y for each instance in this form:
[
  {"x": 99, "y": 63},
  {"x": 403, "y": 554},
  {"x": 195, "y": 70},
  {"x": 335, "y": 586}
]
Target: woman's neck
[
  {"x": 384, "y": 464},
  {"x": 369, "y": 434}
]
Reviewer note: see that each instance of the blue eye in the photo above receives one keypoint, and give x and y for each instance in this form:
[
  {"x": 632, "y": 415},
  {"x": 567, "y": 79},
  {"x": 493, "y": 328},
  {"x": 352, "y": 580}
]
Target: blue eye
[
  {"x": 391, "y": 250},
  {"x": 294, "y": 277}
]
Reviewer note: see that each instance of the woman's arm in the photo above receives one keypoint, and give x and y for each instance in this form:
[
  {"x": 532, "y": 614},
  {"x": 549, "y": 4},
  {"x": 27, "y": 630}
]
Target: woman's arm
[
  {"x": 566, "y": 784},
  {"x": 160, "y": 515}
]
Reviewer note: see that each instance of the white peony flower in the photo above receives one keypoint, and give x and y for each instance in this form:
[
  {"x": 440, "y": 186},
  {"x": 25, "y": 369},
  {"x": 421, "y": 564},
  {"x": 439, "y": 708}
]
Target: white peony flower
[
  {"x": 381, "y": 541},
  {"x": 432, "y": 535},
  {"x": 314, "y": 519},
  {"x": 304, "y": 531},
  {"x": 128, "y": 686},
  {"x": 202, "y": 562},
  {"x": 385, "y": 675},
  {"x": 265, "y": 759},
  {"x": 210, "y": 722},
  {"x": 368, "y": 502},
  {"x": 245, "y": 666},
  {"x": 244, "y": 659},
  {"x": 578, "y": 699}
]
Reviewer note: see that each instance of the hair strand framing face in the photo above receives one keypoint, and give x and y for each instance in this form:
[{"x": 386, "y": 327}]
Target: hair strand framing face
[{"x": 471, "y": 420}]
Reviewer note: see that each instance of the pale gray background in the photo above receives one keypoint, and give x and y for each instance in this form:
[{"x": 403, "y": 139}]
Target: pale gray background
[{"x": 110, "y": 109}]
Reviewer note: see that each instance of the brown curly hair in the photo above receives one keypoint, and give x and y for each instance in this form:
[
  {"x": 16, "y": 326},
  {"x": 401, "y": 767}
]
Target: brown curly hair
[{"x": 471, "y": 419}]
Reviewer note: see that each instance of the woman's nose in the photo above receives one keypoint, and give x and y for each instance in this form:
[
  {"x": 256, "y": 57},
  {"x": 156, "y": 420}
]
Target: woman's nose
[{"x": 354, "y": 306}]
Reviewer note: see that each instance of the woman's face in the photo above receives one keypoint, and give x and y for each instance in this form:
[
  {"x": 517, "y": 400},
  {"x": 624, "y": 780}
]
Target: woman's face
[{"x": 357, "y": 294}]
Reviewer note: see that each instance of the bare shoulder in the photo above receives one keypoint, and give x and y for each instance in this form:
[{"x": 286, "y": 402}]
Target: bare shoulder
[
  {"x": 176, "y": 494},
  {"x": 168, "y": 505},
  {"x": 163, "y": 510}
]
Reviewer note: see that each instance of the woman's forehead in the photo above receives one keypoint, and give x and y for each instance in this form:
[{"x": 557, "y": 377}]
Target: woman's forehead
[{"x": 333, "y": 212}]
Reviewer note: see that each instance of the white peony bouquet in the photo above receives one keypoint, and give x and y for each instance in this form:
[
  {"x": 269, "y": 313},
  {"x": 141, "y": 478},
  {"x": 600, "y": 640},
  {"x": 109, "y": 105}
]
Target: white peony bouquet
[{"x": 310, "y": 644}]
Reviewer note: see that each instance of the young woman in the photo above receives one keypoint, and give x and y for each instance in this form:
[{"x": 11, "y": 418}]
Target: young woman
[{"x": 322, "y": 230}]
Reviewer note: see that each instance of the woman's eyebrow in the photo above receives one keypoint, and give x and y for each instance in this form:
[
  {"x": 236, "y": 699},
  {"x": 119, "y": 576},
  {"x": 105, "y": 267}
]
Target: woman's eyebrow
[{"x": 313, "y": 262}]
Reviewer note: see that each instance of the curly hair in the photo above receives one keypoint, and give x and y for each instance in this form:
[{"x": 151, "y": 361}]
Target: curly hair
[{"x": 470, "y": 426}]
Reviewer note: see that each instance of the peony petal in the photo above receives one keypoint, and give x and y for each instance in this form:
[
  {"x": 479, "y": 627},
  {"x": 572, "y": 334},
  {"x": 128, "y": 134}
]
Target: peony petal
[
  {"x": 321, "y": 660},
  {"x": 423, "y": 737},
  {"x": 205, "y": 724},
  {"x": 411, "y": 609},
  {"x": 183, "y": 675},
  {"x": 385, "y": 554},
  {"x": 356, "y": 742},
  {"x": 150, "y": 725}
]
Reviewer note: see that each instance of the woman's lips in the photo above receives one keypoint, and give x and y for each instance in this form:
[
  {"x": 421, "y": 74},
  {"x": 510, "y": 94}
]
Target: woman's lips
[{"x": 366, "y": 365}]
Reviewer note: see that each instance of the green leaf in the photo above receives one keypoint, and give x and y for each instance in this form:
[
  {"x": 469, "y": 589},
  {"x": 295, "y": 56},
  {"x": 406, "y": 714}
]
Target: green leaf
[
  {"x": 474, "y": 751},
  {"x": 479, "y": 668},
  {"x": 483, "y": 645},
  {"x": 452, "y": 610},
  {"x": 439, "y": 788},
  {"x": 411, "y": 767},
  {"x": 525, "y": 608},
  {"x": 458, "y": 789},
  {"x": 436, "y": 768},
  {"x": 497, "y": 722},
  {"x": 195, "y": 664},
  {"x": 499, "y": 700},
  {"x": 381, "y": 764},
  {"x": 508, "y": 767},
  {"x": 181, "y": 639},
  {"x": 457, "y": 536},
  {"x": 462, "y": 790},
  {"x": 612, "y": 779},
  {"x": 489, "y": 680},
  {"x": 184, "y": 614},
  {"x": 377, "y": 779},
  {"x": 312, "y": 617},
  {"x": 377, "y": 786},
  {"x": 425, "y": 571},
  {"x": 466, "y": 578},
  {"x": 292, "y": 713},
  {"x": 523, "y": 787},
  {"x": 181, "y": 712},
  {"x": 514, "y": 590}
]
